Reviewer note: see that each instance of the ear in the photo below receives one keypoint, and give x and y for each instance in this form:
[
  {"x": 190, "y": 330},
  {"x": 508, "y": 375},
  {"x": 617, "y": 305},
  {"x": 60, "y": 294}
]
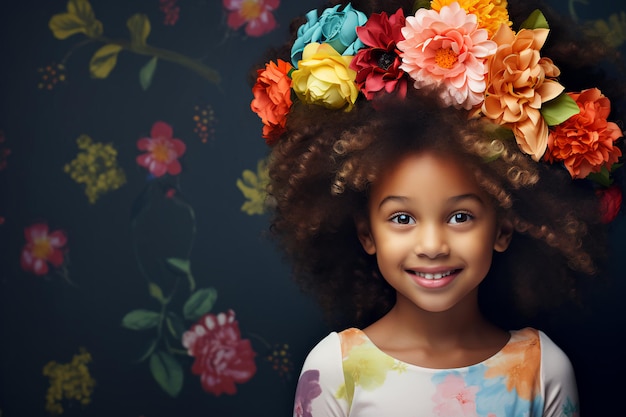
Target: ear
[
  {"x": 505, "y": 234},
  {"x": 365, "y": 236}
]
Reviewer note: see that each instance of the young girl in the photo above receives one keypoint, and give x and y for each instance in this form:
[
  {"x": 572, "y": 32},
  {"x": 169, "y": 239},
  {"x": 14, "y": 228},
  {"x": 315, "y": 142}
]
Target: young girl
[{"x": 430, "y": 170}]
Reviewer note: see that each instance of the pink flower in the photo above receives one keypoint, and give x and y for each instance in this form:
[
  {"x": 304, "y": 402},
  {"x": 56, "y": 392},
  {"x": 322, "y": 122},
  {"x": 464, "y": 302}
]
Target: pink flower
[
  {"x": 255, "y": 14},
  {"x": 171, "y": 11},
  {"x": 223, "y": 358},
  {"x": 378, "y": 67},
  {"x": 453, "y": 398},
  {"x": 163, "y": 151},
  {"x": 447, "y": 49},
  {"x": 42, "y": 248}
]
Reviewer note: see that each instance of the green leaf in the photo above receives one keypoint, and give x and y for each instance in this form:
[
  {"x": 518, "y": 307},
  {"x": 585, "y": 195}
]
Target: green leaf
[
  {"x": 146, "y": 74},
  {"x": 141, "y": 319},
  {"x": 156, "y": 292},
  {"x": 139, "y": 27},
  {"x": 536, "y": 20},
  {"x": 558, "y": 110},
  {"x": 603, "y": 177},
  {"x": 200, "y": 303},
  {"x": 149, "y": 350},
  {"x": 182, "y": 265},
  {"x": 175, "y": 325},
  {"x": 104, "y": 60},
  {"x": 167, "y": 372}
]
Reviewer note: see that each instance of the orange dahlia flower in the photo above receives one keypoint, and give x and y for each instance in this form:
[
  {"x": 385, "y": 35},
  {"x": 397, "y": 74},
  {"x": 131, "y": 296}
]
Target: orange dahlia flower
[
  {"x": 272, "y": 98},
  {"x": 585, "y": 141},
  {"x": 490, "y": 13},
  {"x": 519, "y": 81}
]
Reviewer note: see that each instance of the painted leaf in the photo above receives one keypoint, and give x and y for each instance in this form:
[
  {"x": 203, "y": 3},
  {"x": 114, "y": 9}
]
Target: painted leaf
[
  {"x": 141, "y": 319},
  {"x": 82, "y": 9},
  {"x": 200, "y": 303},
  {"x": 148, "y": 350},
  {"x": 175, "y": 325},
  {"x": 156, "y": 292},
  {"x": 182, "y": 265},
  {"x": 147, "y": 73},
  {"x": 559, "y": 110},
  {"x": 536, "y": 20},
  {"x": 139, "y": 27},
  {"x": 104, "y": 60},
  {"x": 64, "y": 25},
  {"x": 167, "y": 372}
]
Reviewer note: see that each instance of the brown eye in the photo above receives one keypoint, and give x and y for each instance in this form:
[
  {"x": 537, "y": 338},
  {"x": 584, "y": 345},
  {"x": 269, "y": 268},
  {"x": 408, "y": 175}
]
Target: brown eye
[
  {"x": 402, "y": 218},
  {"x": 460, "y": 218}
]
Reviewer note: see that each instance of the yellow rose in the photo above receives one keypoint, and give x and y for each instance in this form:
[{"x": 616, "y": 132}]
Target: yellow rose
[{"x": 324, "y": 77}]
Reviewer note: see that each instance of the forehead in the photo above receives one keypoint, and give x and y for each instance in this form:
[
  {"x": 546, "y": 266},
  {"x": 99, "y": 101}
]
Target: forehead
[{"x": 426, "y": 174}]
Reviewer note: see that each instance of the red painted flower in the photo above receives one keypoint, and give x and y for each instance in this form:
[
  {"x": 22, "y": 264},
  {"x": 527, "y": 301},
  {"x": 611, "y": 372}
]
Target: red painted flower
[
  {"x": 171, "y": 11},
  {"x": 42, "y": 248},
  {"x": 255, "y": 14},
  {"x": 378, "y": 67},
  {"x": 223, "y": 358},
  {"x": 163, "y": 151},
  {"x": 610, "y": 202}
]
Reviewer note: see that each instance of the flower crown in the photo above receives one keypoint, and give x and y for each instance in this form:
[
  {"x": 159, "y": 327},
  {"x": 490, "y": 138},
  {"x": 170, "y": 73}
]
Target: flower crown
[{"x": 468, "y": 51}]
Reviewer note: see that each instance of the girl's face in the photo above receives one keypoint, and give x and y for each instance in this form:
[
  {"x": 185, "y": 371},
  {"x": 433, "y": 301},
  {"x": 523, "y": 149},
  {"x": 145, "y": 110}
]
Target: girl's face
[{"x": 433, "y": 231}]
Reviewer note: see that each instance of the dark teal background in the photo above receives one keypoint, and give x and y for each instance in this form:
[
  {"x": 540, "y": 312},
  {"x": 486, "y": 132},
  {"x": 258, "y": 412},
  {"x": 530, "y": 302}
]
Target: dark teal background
[{"x": 44, "y": 318}]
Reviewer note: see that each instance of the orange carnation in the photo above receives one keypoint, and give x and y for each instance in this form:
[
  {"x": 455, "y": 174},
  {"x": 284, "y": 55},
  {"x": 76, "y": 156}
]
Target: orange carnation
[
  {"x": 519, "y": 81},
  {"x": 585, "y": 141},
  {"x": 272, "y": 98}
]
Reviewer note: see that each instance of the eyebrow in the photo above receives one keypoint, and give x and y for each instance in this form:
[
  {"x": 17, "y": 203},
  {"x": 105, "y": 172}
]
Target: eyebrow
[{"x": 453, "y": 199}]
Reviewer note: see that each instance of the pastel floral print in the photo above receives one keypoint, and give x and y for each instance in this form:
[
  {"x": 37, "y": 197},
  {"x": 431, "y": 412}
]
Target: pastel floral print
[
  {"x": 42, "y": 248},
  {"x": 222, "y": 357},
  {"x": 454, "y": 398},
  {"x": 163, "y": 151},
  {"x": 447, "y": 49},
  {"x": 256, "y": 15},
  {"x": 308, "y": 389}
]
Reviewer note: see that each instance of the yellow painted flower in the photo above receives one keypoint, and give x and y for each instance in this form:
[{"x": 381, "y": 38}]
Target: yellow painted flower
[
  {"x": 324, "y": 77},
  {"x": 253, "y": 188},
  {"x": 69, "y": 381},
  {"x": 490, "y": 13},
  {"x": 365, "y": 366},
  {"x": 612, "y": 31},
  {"x": 79, "y": 18},
  {"x": 96, "y": 167}
]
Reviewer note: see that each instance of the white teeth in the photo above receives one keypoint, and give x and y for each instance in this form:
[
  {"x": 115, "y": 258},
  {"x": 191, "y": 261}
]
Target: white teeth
[{"x": 438, "y": 275}]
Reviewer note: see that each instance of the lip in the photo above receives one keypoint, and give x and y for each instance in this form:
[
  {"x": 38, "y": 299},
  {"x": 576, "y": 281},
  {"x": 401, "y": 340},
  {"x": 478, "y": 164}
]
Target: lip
[{"x": 433, "y": 278}]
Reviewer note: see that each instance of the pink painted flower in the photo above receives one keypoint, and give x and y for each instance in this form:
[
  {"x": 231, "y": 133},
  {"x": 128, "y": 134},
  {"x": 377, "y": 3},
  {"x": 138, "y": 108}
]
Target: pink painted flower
[
  {"x": 42, "y": 248},
  {"x": 454, "y": 398},
  {"x": 223, "y": 358},
  {"x": 255, "y": 14},
  {"x": 163, "y": 151},
  {"x": 378, "y": 65},
  {"x": 447, "y": 50},
  {"x": 171, "y": 11}
]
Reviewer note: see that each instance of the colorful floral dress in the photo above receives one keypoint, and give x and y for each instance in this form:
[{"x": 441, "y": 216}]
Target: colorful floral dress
[{"x": 347, "y": 375}]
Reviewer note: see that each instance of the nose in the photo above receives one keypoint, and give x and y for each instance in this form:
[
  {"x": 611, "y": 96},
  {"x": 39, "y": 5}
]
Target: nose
[{"x": 431, "y": 241}]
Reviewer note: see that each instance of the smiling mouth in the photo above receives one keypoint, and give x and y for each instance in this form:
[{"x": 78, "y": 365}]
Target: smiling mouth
[{"x": 434, "y": 276}]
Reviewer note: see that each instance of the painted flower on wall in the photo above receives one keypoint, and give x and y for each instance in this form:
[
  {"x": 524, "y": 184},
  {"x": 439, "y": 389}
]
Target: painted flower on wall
[
  {"x": 42, "y": 248},
  {"x": 163, "y": 151},
  {"x": 222, "y": 357},
  {"x": 69, "y": 382},
  {"x": 256, "y": 15}
]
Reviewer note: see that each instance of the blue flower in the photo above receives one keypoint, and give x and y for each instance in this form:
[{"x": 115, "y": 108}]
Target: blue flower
[{"x": 337, "y": 28}]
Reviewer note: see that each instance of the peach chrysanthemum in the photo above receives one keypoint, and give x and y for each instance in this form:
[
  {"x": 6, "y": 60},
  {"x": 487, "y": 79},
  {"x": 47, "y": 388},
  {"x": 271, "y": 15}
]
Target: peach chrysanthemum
[
  {"x": 490, "y": 13},
  {"x": 519, "y": 81},
  {"x": 447, "y": 49},
  {"x": 585, "y": 141}
]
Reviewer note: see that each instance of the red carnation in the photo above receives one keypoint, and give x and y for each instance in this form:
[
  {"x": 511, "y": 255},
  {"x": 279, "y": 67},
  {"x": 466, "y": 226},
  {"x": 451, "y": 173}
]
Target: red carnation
[
  {"x": 223, "y": 358},
  {"x": 378, "y": 67}
]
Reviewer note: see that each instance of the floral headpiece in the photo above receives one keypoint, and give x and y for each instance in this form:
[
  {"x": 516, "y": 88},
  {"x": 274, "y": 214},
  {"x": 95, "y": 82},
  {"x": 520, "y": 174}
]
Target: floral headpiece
[{"x": 468, "y": 51}]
